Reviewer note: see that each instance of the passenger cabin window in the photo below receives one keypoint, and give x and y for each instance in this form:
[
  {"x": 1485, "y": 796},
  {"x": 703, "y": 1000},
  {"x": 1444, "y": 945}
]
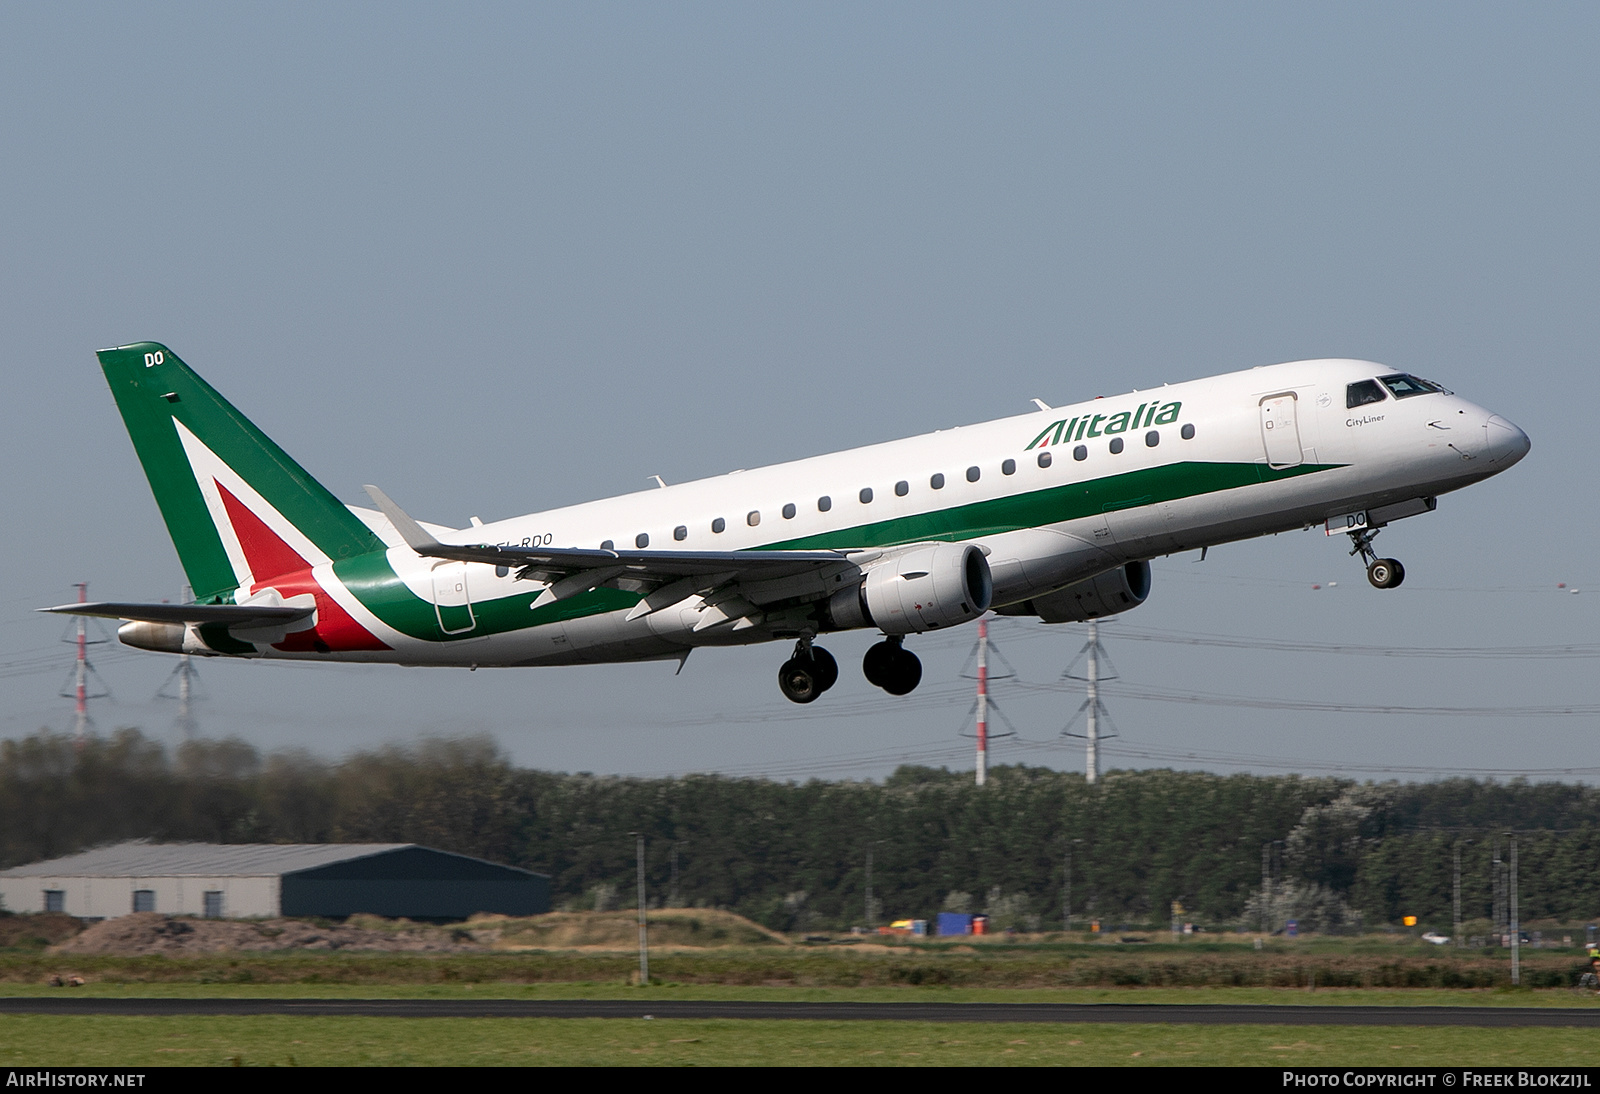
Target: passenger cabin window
[
  {"x": 1404, "y": 386},
  {"x": 1152, "y": 438},
  {"x": 902, "y": 488},
  {"x": 681, "y": 532},
  {"x": 1044, "y": 459},
  {"x": 1361, "y": 393},
  {"x": 753, "y": 517},
  {"x": 719, "y": 525},
  {"x": 501, "y": 571},
  {"x": 973, "y": 474},
  {"x": 937, "y": 481},
  {"x": 1116, "y": 445},
  {"x": 1187, "y": 432},
  {"x": 607, "y": 545},
  {"x": 1009, "y": 467},
  {"x": 1081, "y": 452},
  {"x": 642, "y": 540},
  {"x": 789, "y": 511},
  {"x": 824, "y": 503},
  {"x": 866, "y": 494}
]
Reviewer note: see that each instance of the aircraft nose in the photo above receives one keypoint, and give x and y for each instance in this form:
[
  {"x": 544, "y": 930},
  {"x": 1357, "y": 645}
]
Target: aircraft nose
[{"x": 1507, "y": 444}]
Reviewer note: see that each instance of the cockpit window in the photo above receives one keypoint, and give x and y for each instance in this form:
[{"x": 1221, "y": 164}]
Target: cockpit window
[
  {"x": 1405, "y": 386},
  {"x": 1363, "y": 392}
]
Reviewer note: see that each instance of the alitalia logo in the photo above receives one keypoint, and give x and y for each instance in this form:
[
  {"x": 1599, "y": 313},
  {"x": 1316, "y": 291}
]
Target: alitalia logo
[{"x": 1104, "y": 425}]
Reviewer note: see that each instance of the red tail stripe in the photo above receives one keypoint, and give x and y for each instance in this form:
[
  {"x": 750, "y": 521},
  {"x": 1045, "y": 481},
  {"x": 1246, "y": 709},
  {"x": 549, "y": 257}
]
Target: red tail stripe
[{"x": 264, "y": 550}]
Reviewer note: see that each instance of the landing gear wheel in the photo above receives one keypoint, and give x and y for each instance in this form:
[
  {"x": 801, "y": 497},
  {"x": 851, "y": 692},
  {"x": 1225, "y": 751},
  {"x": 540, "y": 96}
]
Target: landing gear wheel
[
  {"x": 798, "y": 680},
  {"x": 905, "y": 675},
  {"x": 878, "y": 665},
  {"x": 890, "y": 666},
  {"x": 825, "y": 667},
  {"x": 1386, "y": 573}
]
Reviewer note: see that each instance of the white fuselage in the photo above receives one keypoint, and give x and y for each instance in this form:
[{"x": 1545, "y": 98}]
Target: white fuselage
[{"x": 1270, "y": 449}]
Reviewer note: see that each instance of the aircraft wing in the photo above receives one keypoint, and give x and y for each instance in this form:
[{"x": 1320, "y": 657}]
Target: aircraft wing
[
  {"x": 235, "y": 614},
  {"x": 759, "y": 576}
]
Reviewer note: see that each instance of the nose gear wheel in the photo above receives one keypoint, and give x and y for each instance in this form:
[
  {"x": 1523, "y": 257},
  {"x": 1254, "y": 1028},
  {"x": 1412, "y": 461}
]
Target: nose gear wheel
[{"x": 1383, "y": 573}]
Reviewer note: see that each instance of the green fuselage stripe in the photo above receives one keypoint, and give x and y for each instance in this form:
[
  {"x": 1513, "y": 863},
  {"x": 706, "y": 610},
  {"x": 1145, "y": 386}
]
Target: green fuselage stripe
[{"x": 371, "y": 579}]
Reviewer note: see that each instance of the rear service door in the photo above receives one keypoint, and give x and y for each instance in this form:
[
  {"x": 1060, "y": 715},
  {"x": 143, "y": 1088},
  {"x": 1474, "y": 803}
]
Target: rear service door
[
  {"x": 450, "y": 598},
  {"x": 1280, "y": 432}
]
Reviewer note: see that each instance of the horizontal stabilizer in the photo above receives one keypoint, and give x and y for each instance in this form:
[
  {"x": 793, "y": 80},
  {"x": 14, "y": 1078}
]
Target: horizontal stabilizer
[{"x": 235, "y": 614}]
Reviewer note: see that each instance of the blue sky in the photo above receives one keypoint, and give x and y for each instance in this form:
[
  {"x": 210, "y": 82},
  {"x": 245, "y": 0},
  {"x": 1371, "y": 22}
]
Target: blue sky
[{"x": 499, "y": 258}]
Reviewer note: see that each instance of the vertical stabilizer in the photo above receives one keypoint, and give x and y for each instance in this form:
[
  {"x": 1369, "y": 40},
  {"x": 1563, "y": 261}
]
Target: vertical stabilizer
[{"x": 239, "y": 510}]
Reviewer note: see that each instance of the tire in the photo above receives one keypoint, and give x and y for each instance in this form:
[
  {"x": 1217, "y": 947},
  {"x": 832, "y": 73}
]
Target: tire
[
  {"x": 1385, "y": 573},
  {"x": 905, "y": 675},
  {"x": 798, "y": 681},
  {"x": 826, "y": 668},
  {"x": 878, "y": 665}
]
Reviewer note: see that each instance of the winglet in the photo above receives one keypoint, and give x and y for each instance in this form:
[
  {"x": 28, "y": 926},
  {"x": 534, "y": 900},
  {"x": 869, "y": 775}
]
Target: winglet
[{"x": 410, "y": 531}]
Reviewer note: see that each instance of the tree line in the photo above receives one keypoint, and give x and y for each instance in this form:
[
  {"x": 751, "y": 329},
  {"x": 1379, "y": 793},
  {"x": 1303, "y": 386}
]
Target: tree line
[{"x": 796, "y": 856}]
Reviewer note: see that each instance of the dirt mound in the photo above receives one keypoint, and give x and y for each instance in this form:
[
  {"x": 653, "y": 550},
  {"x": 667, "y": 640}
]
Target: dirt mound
[
  {"x": 670, "y": 928},
  {"x": 177, "y": 936},
  {"x": 36, "y": 931},
  {"x": 152, "y": 933}
]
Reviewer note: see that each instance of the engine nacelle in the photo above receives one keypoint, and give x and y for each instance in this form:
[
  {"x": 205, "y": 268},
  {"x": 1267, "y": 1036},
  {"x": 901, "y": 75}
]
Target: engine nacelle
[
  {"x": 921, "y": 590},
  {"x": 1104, "y": 594}
]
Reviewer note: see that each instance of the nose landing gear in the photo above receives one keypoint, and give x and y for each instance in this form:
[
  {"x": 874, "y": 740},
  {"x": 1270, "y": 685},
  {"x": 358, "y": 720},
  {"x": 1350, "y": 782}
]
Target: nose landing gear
[
  {"x": 810, "y": 672},
  {"x": 1383, "y": 573},
  {"x": 892, "y": 667}
]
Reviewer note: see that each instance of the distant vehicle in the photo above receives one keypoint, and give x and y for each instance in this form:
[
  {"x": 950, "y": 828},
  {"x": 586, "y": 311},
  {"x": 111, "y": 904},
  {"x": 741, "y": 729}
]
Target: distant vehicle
[
  {"x": 1053, "y": 514},
  {"x": 1436, "y": 939}
]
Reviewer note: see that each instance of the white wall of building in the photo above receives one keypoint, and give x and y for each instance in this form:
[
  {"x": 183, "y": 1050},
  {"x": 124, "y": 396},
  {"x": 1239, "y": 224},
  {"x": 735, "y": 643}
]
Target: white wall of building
[{"x": 109, "y": 897}]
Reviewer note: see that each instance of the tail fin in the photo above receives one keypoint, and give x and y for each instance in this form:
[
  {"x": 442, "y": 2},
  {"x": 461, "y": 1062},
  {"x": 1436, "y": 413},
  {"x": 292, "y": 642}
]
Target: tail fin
[{"x": 239, "y": 510}]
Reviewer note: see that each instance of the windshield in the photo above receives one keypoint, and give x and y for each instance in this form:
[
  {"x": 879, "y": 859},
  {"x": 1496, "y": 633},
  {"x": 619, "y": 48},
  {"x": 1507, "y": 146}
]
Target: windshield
[
  {"x": 1405, "y": 386},
  {"x": 1361, "y": 393}
]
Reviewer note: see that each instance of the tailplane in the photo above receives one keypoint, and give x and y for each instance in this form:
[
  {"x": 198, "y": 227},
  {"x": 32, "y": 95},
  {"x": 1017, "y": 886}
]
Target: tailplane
[{"x": 239, "y": 510}]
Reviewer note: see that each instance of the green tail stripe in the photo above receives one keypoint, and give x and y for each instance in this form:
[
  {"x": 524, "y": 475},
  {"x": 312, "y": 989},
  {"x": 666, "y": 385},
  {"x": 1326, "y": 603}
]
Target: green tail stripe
[{"x": 152, "y": 387}]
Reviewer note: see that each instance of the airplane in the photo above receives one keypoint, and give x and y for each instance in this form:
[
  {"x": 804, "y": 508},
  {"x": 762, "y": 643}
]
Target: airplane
[{"x": 1054, "y": 514}]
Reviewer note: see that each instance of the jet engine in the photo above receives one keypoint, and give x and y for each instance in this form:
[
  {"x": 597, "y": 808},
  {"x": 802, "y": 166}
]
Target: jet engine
[
  {"x": 921, "y": 590},
  {"x": 1104, "y": 594}
]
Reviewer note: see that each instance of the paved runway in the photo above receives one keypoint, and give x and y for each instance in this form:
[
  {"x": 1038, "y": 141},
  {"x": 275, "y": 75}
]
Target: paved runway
[{"x": 1196, "y": 1014}]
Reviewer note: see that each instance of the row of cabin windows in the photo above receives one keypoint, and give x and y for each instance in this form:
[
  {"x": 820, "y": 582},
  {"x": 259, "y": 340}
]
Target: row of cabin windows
[{"x": 902, "y": 488}]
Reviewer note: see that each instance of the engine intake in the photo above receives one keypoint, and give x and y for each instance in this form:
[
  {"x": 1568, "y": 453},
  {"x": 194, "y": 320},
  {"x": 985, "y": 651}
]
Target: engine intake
[
  {"x": 921, "y": 590},
  {"x": 1104, "y": 594}
]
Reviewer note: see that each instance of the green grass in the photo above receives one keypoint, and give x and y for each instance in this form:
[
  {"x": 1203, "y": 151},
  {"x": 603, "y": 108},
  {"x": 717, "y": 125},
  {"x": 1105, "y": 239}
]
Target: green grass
[
  {"x": 801, "y": 967},
  {"x": 32, "y": 1041},
  {"x": 1415, "y": 997}
]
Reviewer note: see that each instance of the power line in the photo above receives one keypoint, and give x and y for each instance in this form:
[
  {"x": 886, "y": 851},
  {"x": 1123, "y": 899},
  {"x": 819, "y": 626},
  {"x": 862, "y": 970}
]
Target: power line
[
  {"x": 1163, "y": 695},
  {"x": 1573, "y": 651}
]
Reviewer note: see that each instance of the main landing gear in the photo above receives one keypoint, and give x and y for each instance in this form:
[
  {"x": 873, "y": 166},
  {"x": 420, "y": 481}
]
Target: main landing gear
[
  {"x": 892, "y": 667},
  {"x": 810, "y": 672},
  {"x": 1383, "y": 573}
]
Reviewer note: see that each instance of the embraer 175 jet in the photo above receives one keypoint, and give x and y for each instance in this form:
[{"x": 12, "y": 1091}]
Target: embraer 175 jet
[{"x": 1053, "y": 514}]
